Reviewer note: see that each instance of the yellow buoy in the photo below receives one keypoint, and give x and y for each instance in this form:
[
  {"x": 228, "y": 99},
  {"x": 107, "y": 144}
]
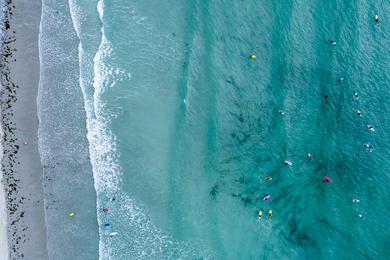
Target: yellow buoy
[
  {"x": 253, "y": 56},
  {"x": 260, "y": 214},
  {"x": 72, "y": 214}
]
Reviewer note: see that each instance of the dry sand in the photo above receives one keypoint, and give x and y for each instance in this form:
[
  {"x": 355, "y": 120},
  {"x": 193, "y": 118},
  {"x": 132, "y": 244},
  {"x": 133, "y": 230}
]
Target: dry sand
[
  {"x": 3, "y": 223},
  {"x": 21, "y": 162}
]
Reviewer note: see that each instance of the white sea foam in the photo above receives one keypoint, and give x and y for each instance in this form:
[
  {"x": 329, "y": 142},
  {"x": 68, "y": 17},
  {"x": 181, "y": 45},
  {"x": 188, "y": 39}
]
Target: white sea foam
[{"x": 138, "y": 237}]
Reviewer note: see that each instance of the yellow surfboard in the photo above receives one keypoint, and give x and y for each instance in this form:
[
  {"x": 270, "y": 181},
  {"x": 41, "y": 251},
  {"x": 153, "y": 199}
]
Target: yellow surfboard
[
  {"x": 260, "y": 214},
  {"x": 269, "y": 214}
]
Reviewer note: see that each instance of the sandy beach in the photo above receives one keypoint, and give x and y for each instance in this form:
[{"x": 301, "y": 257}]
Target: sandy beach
[
  {"x": 3, "y": 222},
  {"x": 21, "y": 164}
]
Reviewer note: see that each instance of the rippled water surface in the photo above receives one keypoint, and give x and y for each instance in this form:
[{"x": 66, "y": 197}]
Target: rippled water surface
[{"x": 183, "y": 126}]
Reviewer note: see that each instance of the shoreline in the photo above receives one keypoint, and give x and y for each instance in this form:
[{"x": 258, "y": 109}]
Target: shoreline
[
  {"x": 68, "y": 182},
  {"x": 21, "y": 165}
]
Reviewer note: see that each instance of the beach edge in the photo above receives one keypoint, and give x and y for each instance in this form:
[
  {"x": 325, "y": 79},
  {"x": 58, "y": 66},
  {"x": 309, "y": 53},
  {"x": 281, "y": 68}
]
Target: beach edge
[{"x": 21, "y": 164}]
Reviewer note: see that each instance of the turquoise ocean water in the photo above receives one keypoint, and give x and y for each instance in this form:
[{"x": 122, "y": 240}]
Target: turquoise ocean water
[{"x": 154, "y": 110}]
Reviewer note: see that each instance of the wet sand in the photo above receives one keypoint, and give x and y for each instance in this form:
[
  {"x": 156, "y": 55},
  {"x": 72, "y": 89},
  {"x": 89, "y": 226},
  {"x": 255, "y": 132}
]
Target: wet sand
[
  {"x": 3, "y": 223},
  {"x": 21, "y": 164}
]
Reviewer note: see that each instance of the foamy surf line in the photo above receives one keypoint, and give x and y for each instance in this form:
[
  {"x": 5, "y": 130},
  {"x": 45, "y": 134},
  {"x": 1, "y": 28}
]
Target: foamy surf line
[
  {"x": 131, "y": 233},
  {"x": 100, "y": 143}
]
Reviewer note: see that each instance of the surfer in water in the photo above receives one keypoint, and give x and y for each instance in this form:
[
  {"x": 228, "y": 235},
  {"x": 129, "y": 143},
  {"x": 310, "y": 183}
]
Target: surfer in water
[
  {"x": 333, "y": 42},
  {"x": 269, "y": 214},
  {"x": 356, "y": 95},
  {"x": 288, "y": 163},
  {"x": 377, "y": 19},
  {"x": 371, "y": 128},
  {"x": 327, "y": 179},
  {"x": 260, "y": 214},
  {"x": 359, "y": 113},
  {"x": 267, "y": 197}
]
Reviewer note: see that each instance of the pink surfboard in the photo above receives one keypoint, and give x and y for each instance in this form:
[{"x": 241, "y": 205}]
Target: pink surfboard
[
  {"x": 267, "y": 197},
  {"x": 327, "y": 179}
]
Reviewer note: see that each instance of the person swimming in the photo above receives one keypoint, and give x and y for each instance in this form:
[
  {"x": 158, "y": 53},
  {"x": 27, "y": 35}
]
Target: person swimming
[
  {"x": 355, "y": 201},
  {"x": 377, "y": 19},
  {"x": 269, "y": 214},
  {"x": 309, "y": 157},
  {"x": 333, "y": 42},
  {"x": 280, "y": 112},
  {"x": 371, "y": 128},
  {"x": 369, "y": 147},
  {"x": 260, "y": 214},
  {"x": 340, "y": 80}
]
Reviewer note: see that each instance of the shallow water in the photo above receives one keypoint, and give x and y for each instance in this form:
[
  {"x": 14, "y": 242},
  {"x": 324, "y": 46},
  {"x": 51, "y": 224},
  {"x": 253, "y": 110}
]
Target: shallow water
[{"x": 183, "y": 126}]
